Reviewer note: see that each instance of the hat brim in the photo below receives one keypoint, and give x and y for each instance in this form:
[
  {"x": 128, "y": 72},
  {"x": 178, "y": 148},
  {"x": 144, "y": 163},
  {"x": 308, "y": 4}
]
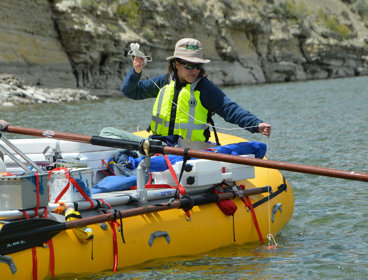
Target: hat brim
[{"x": 190, "y": 59}]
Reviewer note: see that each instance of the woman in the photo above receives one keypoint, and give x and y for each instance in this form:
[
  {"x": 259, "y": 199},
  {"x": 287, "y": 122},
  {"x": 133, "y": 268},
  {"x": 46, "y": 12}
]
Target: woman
[{"x": 185, "y": 98}]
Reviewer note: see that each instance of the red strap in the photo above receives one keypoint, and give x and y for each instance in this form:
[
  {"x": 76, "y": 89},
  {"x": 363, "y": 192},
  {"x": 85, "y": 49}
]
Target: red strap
[
  {"x": 52, "y": 252},
  {"x": 187, "y": 213},
  {"x": 248, "y": 204},
  {"x": 34, "y": 254},
  {"x": 67, "y": 185},
  {"x": 115, "y": 244},
  {"x": 25, "y": 214},
  {"x": 149, "y": 179},
  {"x": 62, "y": 192},
  {"x": 52, "y": 257},
  {"x": 104, "y": 203},
  {"x": 180, "y": 188},
  {"x": 104, "y": 172},
  {"x": 34, "y": 261},
  {"x": 79, "y": 188},
  {"x": 37, "y": 193},
  {"x": 112, "y": 171}
]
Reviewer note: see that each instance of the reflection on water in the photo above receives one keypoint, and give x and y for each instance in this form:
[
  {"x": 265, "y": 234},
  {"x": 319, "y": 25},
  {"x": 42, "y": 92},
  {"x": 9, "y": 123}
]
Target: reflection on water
[{"x": 321, "y": 123}]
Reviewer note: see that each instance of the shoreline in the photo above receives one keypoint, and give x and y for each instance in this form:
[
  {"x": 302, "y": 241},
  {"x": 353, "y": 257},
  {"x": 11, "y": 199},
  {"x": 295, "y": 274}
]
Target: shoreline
[{"x": 15, "y": 92}]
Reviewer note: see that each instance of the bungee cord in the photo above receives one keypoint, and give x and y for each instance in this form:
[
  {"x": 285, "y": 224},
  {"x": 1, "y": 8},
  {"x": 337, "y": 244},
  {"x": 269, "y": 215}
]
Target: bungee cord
[
  {"x": 134, "y": 51},
  {"x": 271, "y": 239}
]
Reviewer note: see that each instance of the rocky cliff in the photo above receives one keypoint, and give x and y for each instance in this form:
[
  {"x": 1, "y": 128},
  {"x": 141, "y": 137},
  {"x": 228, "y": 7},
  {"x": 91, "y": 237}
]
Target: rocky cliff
[{"x": 85, "y": 43}]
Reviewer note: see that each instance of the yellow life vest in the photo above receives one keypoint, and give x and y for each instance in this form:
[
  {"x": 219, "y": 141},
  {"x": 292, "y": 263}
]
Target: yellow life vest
[{"x": 191, "y": 116}]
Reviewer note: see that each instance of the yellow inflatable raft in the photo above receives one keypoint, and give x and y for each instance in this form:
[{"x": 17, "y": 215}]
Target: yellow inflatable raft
[{"x": 131, "y": 238}]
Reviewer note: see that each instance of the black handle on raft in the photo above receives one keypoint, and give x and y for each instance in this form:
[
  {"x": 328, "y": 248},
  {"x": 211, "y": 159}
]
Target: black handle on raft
[
  {"x": 187, "y": 202},
  {"x": 155, "y": 147}
]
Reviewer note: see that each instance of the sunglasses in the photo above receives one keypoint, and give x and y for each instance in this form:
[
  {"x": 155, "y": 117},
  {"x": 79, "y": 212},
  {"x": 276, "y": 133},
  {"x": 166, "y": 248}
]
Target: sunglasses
[{"x": 191, "y": 66}]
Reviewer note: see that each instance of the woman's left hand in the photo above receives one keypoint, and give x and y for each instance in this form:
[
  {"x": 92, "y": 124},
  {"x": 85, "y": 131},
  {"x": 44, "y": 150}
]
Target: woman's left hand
[{"x": 3, "y": 124}]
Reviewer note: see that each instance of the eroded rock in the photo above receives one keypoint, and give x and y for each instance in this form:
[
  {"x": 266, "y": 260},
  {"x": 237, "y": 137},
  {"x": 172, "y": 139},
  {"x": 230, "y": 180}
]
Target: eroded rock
[{"x": 14, "y": 91}]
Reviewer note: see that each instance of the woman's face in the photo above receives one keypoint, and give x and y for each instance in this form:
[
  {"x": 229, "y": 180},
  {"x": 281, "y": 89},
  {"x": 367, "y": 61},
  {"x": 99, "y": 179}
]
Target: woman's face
[{"x": 187, "y": 71}]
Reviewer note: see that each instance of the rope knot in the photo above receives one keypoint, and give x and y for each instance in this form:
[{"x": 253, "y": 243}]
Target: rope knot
[{"x": 134, "y": 51}]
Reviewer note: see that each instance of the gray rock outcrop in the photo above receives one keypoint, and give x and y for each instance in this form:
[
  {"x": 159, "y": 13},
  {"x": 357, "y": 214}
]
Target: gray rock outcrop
[
  {"x": 14, "y": 91},
  {"x": 85, "y": 43}
]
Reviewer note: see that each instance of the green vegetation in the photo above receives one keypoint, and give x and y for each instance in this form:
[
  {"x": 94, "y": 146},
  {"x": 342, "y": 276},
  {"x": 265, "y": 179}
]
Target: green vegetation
[
  {"x": 289, "y": 10},
  {"x": 362, "y": 8},
  {"x": 112, "y": 27},
  {"x": 333, "y": 24},
  {"x": 129, "y": 12},
  {"x": 90, "y": 4},
  {"x": 148, "y": 34}
]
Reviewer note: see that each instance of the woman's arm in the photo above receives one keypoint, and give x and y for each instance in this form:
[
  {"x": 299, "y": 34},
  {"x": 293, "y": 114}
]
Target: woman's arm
[
  {"x": 135, "y": 88},
  {"x": 215, "y": 100}
]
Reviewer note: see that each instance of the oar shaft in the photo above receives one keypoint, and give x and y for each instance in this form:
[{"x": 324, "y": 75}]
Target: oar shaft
[
  {"x": 49, "y": 134},
  {"x": 124, "y": 214},
  {"x": 329, "y": 172},
  {"x": 176, "y": 204},
  {"x": 101, "y": 141}
]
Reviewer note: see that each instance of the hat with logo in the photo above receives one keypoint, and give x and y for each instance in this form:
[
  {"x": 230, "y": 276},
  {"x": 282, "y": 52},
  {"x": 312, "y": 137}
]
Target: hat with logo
[{"x": 190, "y": 50}]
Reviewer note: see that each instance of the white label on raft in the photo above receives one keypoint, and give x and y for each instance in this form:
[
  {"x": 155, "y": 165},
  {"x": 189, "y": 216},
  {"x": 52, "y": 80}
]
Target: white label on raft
[{"x": 48, "y": 133}]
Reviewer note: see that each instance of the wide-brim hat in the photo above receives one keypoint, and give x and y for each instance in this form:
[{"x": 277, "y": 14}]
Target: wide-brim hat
[{"x": 190, "y": 50}]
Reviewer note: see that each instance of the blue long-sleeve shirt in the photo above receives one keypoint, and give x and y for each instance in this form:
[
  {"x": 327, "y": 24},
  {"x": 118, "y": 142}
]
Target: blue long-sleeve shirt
[{"x": 212, "y": 98}]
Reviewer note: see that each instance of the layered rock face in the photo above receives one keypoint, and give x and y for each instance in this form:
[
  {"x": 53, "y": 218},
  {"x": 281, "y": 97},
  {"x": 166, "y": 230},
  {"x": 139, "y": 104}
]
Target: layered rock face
[
  {"x": 30, "y": 45},
  {"x": 85, "y": 43}
]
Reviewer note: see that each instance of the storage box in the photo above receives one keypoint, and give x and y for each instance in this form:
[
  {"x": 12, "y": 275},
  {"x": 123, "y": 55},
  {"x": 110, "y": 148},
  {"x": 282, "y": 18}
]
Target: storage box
[
  {"x": 18, "y": 191},
  {"x": 40, "y": 150},
  {"x": 202, "y": 172},
  {"x": 58, "y": 181},
  {"x": 93, "y": 159}
]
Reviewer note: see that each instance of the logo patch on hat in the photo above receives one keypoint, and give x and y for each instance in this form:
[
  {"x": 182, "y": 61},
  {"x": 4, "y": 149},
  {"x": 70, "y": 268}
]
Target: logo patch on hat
[{"x": 192, "y": 47}]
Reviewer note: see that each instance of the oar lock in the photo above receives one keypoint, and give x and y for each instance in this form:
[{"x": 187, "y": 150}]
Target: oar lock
[{"x": 145, "y": 146}]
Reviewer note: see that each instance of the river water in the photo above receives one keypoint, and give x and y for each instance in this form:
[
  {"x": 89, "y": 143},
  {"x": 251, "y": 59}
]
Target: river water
[{"x": 321, "y": 123}]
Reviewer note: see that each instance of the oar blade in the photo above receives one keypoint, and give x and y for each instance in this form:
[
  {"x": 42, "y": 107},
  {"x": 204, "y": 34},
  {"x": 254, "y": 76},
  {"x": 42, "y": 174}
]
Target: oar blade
[{"x": 21, "y": 235}]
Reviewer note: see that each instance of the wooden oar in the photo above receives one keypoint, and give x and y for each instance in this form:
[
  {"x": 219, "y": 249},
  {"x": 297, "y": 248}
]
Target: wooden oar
[
  {"x": 157, "y": 148},
  {"x": 21, "y": 235}
]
